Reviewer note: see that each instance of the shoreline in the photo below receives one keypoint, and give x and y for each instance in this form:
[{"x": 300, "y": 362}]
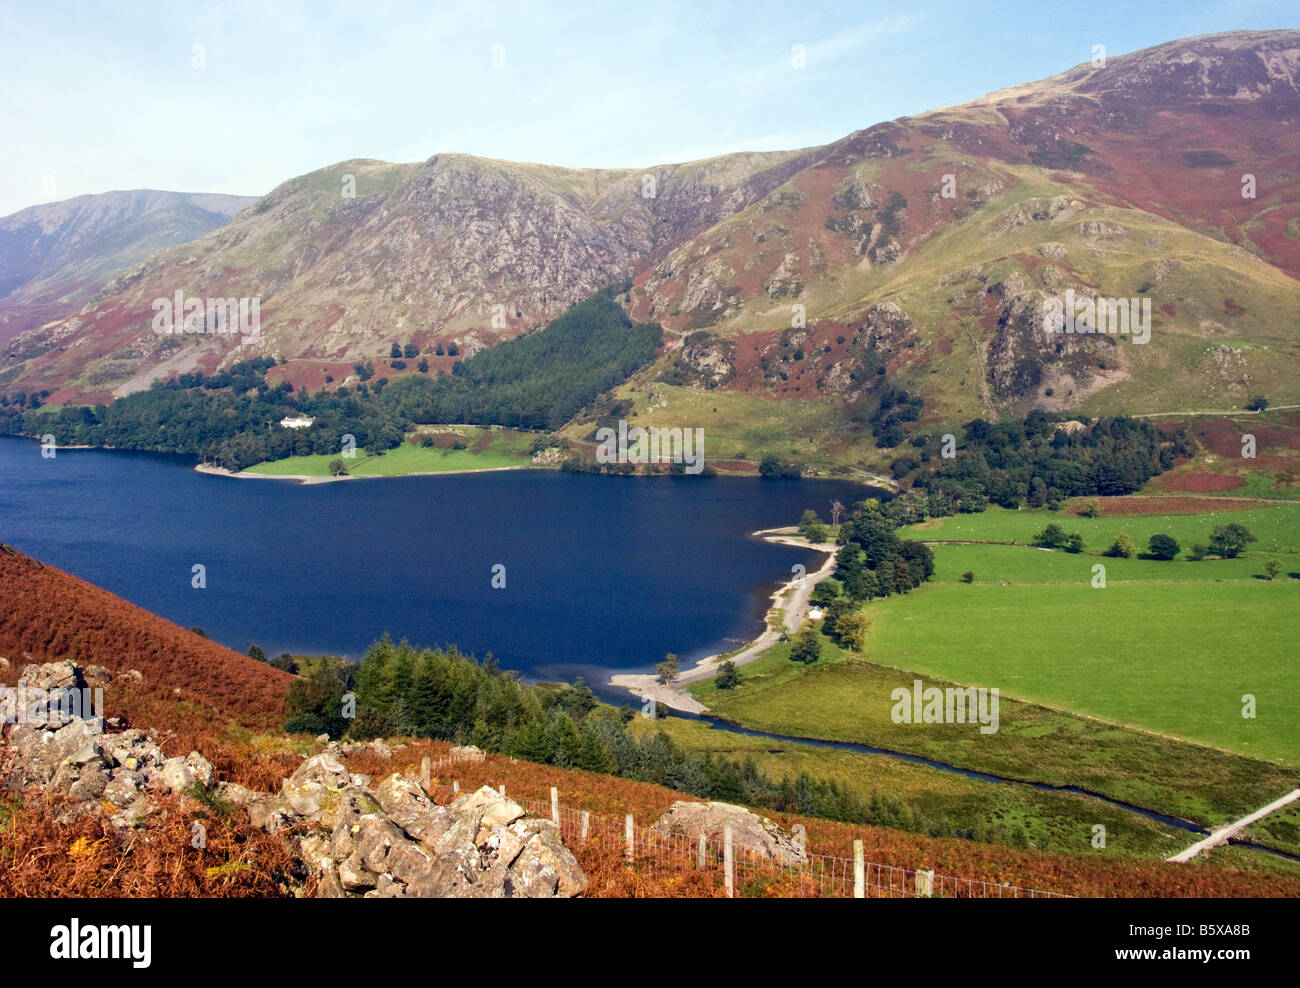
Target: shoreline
[
  {"x": 306, "y": 478},
  {"x": 771, "y": 535},
  {"x": 793, "y": 612}
]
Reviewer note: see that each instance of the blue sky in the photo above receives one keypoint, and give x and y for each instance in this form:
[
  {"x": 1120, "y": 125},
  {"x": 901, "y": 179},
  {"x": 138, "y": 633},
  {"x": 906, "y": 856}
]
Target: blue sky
[{"x": 101, "y": 96}]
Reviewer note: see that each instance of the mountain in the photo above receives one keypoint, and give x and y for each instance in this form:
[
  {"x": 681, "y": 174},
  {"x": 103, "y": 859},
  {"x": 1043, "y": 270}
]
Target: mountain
[
  {"x": 1124, "y": 181},
  {"x": 419, "y": 251},
  {"x": 798, "y": 289},
  {"x": 53, "y": 257}
]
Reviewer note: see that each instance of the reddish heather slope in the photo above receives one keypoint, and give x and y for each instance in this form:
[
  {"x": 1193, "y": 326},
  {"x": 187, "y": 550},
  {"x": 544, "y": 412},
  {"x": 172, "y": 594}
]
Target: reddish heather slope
[{"x": 49, "y": 615}]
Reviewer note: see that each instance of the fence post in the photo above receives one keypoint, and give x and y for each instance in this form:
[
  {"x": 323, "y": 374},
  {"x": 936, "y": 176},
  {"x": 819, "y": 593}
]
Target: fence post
[
  {"x": 630, "y": 829},
  {"x": 925, "y": 882},
  {"x": 701, "y": 852},
  {"x": 586, "y": 824},
  {"x": 555, "y": 805},
  {"x": 426, "y": 773},
  {"x": 859, "y": 872},
  {"x": 729, "y": 862},
  {"x": 455, "y": 787}
]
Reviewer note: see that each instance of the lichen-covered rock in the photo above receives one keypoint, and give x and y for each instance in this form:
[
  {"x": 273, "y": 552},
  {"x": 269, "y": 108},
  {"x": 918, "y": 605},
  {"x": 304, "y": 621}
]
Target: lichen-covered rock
[
  {"x": 397, "y": 843},
  {"x": 747, "y": 829}
]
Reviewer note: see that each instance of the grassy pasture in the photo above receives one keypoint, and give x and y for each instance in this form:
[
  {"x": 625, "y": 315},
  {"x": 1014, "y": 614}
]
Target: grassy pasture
[
  {"x": 1134, "y": 690},
  {"x": 505, "y": 450}
]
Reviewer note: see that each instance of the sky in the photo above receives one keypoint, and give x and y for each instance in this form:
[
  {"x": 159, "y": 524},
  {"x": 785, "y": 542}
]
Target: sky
[{"x": 239, "y": 97}]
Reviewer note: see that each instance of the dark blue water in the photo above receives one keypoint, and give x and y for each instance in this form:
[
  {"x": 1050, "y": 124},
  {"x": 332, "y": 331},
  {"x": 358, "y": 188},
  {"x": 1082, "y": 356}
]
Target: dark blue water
[{"x": 602, "y": 574}]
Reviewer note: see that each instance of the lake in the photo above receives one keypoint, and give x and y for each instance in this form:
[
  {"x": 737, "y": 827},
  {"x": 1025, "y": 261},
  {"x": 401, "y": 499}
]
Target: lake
[{"x": 601, "y": 574}]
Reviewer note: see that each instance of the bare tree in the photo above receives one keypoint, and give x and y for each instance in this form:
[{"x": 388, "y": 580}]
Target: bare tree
[{"x": 837, "y": 509}]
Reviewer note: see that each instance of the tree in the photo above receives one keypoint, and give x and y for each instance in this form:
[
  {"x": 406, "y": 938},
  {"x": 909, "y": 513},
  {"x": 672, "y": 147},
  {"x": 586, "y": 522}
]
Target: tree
[
  {"x": 728, "y": 678},
  {"x": 395, "y": 352},
  {"x": 1199, "y": 551},
  {"x": 284, "y": 662},
  {"x": 1163, "y": 546},
  {"x": 968, "y": 577},
  {"x": 1090, "y": 509},
  {"x": 826, "y": 591},
  {"x": 1257, "y": 403},
  {"x": 337, "y": 469},
  {"x": 321, "y": 695},
  {"x": 256, "y": 654},
  {"x": 668, "y": 669},
  {"x": 1229, "y": 541},
  {"x": 861, "y": 584},
  {"x": 422, "y": 366},
  {"x": 807, "y": 646},
  {"x": 410, "y": 351},
  {"x": 1051, "y": 537},
  {"x": 837, "y": 512},
  {"x": 1123, "y": 547},
  {"x": 851, "y": 630},
  {"x": 1037, "y": 493},
  {"x": 1074, "y": 544},
  {"x": 1272, "y": 568}
]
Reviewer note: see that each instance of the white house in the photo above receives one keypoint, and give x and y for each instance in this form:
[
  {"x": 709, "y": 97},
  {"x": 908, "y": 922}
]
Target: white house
[{"x": 297, "y": 422}]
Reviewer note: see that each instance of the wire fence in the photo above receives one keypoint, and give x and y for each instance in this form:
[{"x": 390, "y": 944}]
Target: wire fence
[{"x": 746, "y": 870}]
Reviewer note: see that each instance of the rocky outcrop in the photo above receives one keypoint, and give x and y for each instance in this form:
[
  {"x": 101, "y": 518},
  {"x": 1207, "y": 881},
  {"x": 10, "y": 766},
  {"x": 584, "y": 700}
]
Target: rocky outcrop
[
  {"x": 748, "y": 830},
  {"x": 395, "y": 842},
  {"x": 71, "y": 757},
  {"x": 704, "y": 360},
  {"x": 389, "y": 841}
]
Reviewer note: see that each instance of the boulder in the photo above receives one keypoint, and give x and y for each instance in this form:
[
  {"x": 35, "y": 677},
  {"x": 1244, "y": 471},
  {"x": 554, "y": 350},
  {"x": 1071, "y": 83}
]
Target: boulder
[
  {"x": 51, "y": 675},
  {"x": 410, "y": 808},
  {"x": 174, "y": 776},
  {"x": 202, "y": 770},
  {"x": 747, "y": 829},
  {"x": 306, "y": 791}
]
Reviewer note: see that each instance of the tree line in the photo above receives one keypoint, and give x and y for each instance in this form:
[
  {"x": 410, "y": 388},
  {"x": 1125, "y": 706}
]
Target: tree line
[
  {"x": 401, "y": 690},
  {"x": 1037, "y": 462}
]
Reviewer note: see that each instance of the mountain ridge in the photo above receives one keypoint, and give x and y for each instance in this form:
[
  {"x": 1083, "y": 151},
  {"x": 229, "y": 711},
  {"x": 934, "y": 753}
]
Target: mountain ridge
[
  {"x": 1105, "y": 179},
  {"x": 55, "y": 256}
]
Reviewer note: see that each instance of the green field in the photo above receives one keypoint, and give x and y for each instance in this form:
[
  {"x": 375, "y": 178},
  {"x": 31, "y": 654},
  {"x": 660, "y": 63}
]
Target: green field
[
  {"x": 1175, "y": 658},
  {"x": 1133, "y": 690},
  {"x": 502, "y": 450},
  {"x": 1276, "y": 526},
  {"x": 1170, "y": 647}
]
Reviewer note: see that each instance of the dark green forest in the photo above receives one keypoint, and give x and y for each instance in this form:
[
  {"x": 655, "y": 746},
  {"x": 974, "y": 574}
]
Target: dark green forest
[{"x": 1036, "y": 462}]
